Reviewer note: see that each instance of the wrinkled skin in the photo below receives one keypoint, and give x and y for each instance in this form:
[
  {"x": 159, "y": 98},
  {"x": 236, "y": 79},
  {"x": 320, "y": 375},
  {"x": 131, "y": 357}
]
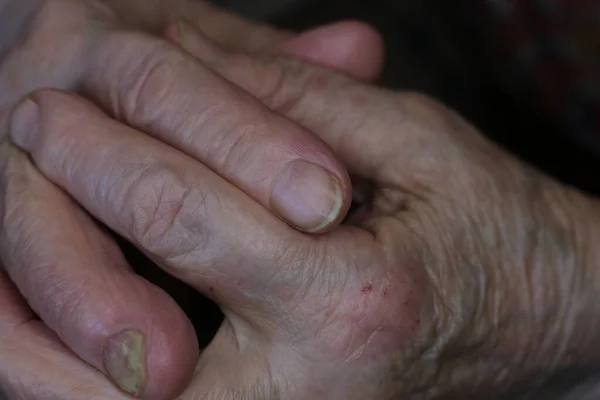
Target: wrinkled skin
[
  {"x": 463, "y": 273},
  {"x": 485, "y": 272},
  {"x": 58, "y": 265}
]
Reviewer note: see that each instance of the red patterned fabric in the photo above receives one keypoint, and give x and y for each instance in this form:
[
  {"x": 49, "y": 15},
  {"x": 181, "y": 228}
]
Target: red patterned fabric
[{"x": 554, "y": 47}]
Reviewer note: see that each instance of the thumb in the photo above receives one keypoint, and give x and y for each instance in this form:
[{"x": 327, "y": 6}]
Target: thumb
[{"x": 334, "y": 106}]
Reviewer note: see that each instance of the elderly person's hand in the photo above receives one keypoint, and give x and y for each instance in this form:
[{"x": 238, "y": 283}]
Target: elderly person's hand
[
  {"x": 464, "y": 273},
  {"x": 94, "y": 313}
]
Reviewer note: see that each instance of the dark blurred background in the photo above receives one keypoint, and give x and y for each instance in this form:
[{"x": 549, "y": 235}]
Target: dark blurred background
[{"x": 437, "y": 47}]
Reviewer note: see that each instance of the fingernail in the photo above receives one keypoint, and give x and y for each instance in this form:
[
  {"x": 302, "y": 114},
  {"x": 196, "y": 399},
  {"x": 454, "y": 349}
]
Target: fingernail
[
  {"x": 125, "y": 361},
  {"x": 307, "y": 196},
  {"x": 24, "y": 123}
]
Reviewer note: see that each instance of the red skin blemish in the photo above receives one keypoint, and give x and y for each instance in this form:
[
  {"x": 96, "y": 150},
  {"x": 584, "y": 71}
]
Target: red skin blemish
[
  {"x": 358, "y": 100},
  {"x": 322, "y": 83},
  {"x": 417, "y": 325},
  {"x": 367, "y": 288}
]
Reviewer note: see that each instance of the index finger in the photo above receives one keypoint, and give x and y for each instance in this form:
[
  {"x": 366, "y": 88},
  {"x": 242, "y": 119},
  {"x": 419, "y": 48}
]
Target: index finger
[{"x": 155, "y": 87}]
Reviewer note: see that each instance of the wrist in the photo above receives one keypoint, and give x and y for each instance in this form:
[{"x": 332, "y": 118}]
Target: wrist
[
  {"x": 577, "y": 270},
  {"x": 552, "y": 306}
]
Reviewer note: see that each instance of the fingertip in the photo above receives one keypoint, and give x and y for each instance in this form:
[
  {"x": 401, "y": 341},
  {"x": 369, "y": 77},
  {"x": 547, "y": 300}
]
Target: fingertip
[
  {"x": 152, "y": 349},
  {"x": 312, "y": 198},
  {"x": 153, "y": 357},
  {"x": 365, "y": 50},
  {"x": 131, "y": 330},
  {"x": 192, "y": 40},
  {"x": 173, "y": 354},
  {"x": 351, "y": 47}
]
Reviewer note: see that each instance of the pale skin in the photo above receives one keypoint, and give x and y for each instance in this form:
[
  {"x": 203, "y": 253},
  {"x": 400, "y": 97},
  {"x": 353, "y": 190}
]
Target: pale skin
[{"x": 464, "y": 272}]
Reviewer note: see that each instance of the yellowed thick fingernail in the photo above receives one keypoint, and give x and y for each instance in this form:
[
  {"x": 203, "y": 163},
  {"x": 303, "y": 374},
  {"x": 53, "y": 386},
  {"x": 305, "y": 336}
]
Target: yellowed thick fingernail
[
  {"x": 308, "y": 196},
  {"x": 125, "y": 361}
]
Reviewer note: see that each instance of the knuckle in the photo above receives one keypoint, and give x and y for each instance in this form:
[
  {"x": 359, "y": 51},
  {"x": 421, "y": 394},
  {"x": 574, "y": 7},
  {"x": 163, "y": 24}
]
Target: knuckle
[
  {"x": 290, "y": 83},
  {"x": 279, "y": 83},
  {"x": 426, "y": 120},
  {"x": 144, "y": 88},
  {"x": 237, "y": 148},
  {"x": 167, "y": 213},
  {"x": 436, "y": 123},
  {"x": 270, "y": 87},
  {"x": 302, "y": 91},
  {"x": 255, "y": 75}
]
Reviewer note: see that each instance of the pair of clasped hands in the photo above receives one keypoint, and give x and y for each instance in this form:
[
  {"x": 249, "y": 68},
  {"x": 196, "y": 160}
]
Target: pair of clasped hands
[{"x": 229, "y": 154}]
